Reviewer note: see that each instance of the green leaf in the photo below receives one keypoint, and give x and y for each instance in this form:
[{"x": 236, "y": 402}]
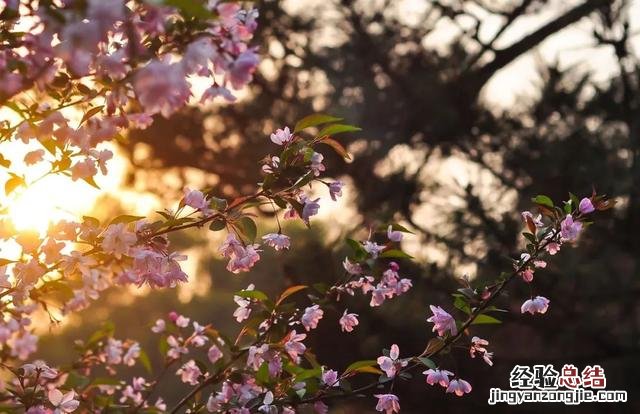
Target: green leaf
[
  {"x": 337, "y": 147},
  {"x": 543, "y": 200},
  {"x": 337, "y": 129},
  {"x": 359, "y": 252},
  {"x": 308, "y": 373},
  {"x": 485, "y": 320},
  {"x": 218, "y": 204},
  {"x": 252, "y": 294},
  {"x": 359, "y": 365},
  {"x": 262, "y": 376},
  {"x": 218, "y": 224},
  {"x": 396, "y": 254},
  {"x": 106, "y": 381},
  {"x": 125, "y": 218},
  {"x": 401, "y": 228},
  {"x": 530, "y": 237},
  {"x": 428, "y": 362},
  {"x": 145, "y": 361},
  {"x": 314, "y": 120},
  {"x": 90, "y": 113},
  {"x": 290, "y": 291},
  {"x": 191, "y": 8},
  {"x": 247, "y": 227},
  {"x": 460, "y": 303}
]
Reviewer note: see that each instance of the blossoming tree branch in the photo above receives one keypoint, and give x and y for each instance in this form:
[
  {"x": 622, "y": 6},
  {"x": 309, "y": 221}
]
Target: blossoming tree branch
[{"x": 118, "y": 64}]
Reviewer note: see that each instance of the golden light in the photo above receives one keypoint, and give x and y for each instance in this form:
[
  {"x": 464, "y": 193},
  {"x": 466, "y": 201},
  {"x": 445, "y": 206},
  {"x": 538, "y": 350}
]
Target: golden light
[{"x": 51, "y": 199}]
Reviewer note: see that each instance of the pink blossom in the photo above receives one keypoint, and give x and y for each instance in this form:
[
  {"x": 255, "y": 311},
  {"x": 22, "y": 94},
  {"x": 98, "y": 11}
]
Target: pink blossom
[
  {"x": 84, "y": 169},
  {"x": 23, "y": 346},
  {"x": 278, "y": 241},
  {"x": 161, "y": 88},
  {"x": 231, "y": 246},
  {"x": 29, "y": 273},
  {"x": 159, "y": 326},
  {"x": 118, "y": 240},
  {"x": 388, "y": 403},
  {"x": 311, "y": 317},
  {"x": 196, "y": 199},
  {"x": 540, "y": 264},
  {"x": 391, "y": 364},
  {"x": 316, "y": 163},
  {"x": 270, "y": 166},
  {"x": 586, "y": 206},
  {"x": 140, "y": 121},
  {"x": 41, "y": 369},
  {"x": 478, "y": 347},
  {"x": 241, "y": 71},
  {"x": 437, "y": 376},
  {"x": 175, "y": 348},
  {"x": 34, "y": 157},
  {"x": 537, "y": 220},
  {"x": 266, "y": 406},
  {"x": 538, "y": 304},
  {"x": 330, "y": 378},
  {"x": 372, "y": 248},
  {"x": 351, "y": 268},
  {"x": 189, "y": 372},
  {"x": 214, "y": 354},
  {"x": 309, "y": 209},
  {"x": 570, "y": 229},
  {"x": 442, "y": 321},
  {"x": 182, "y": 321},
  {"x": 527, "y": 275},
  {"x": 217, "y": 91},
  {"x": 459, "y": 387},
  {"x": 394, "y": 235},
  {"x": 335, "y": 190},
  {"x": 113, "y": 351},
  {"x": 198, "y": 55},
  {"x": 552, "y": 248},
  {"x": 51, "y": 250},
  {"x": 244, "y": 262},
  {"x": 282, "y": 136},
  {"x": 101, "y": 158},
  {"x": 132, "y": 353},
  {"x": 348, "y": 321},
  {"x": 294, "y": 346},
  {"x": 63, "y": 403}
]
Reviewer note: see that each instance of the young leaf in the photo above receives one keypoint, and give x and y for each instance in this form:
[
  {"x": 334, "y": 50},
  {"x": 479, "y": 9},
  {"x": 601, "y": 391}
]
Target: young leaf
[
  {"x": 314, "y": 120},
  {"x": 290, "y": 291},
  {"x": 485, "y": 320},
  {"x": 337, "y": 147},
  {"x": 125, "y": 218},
  {"x": 337, "y": 129},
  {"x": 543, "y": 200},
  {"x": 247, "y": 227},
  {"x": 358, "y": 366},
  {"x": 428, "y": 363},
  {"x": 396, "y": 254}
]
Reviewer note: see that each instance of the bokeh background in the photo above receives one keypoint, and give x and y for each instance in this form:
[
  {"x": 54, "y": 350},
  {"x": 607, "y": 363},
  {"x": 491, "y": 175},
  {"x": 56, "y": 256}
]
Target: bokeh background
[{"x": 467, "y": 109}]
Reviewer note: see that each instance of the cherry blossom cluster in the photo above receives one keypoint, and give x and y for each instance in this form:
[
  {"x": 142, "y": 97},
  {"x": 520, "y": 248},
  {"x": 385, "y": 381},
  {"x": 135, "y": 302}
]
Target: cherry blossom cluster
[{"x": 120, "y": 63}]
